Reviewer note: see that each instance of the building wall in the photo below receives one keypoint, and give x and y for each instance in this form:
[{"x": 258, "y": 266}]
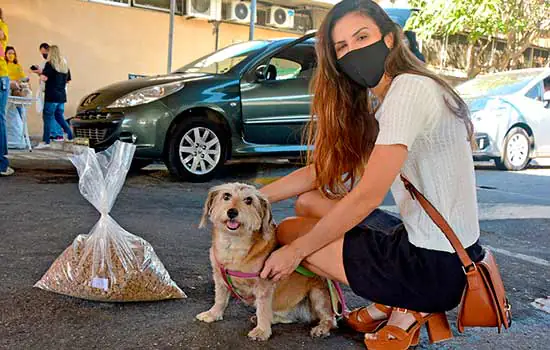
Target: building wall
[{"x": 104, "y": 43}]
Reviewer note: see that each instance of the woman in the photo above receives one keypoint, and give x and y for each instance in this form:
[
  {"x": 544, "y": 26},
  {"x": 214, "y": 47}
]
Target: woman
[
  {"x": 5, "y": 170},
  {"x": 17, "y": 78},
  {"x": 56, "y": 74},
  {"x": 15, "y": 70},
  {"x": 420, "y": 129}
]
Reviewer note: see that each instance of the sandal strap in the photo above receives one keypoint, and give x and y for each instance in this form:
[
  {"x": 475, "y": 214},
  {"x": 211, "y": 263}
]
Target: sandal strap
[
  {"x": 392, "y": 331},
  {"x": 417, "y": 316},
  {"x": 360, "y": 315},
  {"x": 383, "y": 308}
]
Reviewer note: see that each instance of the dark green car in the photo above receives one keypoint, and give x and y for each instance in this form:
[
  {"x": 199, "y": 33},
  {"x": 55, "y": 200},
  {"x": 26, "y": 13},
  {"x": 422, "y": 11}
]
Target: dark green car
[{"x": 248, "y": 99}]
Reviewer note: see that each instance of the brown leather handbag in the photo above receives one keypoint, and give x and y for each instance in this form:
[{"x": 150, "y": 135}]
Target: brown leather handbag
[{"x": 484, "y": 302}]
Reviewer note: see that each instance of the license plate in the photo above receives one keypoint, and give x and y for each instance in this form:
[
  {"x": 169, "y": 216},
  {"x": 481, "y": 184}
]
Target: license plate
[{"x": 82, "y": 141}]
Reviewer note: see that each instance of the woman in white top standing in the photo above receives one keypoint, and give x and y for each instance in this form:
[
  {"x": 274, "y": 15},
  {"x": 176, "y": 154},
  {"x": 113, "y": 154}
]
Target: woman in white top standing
[{"x": 420, "y": 129}]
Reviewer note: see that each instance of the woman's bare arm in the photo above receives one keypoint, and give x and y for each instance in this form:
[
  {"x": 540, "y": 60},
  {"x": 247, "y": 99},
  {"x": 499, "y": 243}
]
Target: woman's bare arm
[
  {"x": 382, "y": 169},
  {"x": 293, "y": 184}
]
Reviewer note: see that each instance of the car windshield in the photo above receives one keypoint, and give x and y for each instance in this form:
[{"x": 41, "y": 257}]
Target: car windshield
[
  {"x": 496, "y": 84},
  {"x": 222, "y": 61}
]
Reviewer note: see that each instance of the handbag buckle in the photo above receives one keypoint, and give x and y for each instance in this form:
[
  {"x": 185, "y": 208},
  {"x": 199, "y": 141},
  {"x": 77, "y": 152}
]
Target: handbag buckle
[{"x": 470, "y": 268}]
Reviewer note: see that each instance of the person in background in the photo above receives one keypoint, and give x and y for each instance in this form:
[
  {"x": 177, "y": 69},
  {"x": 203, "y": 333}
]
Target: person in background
[
  {"x": 56, "y": 130},
  {"x": 16, "y": 74},
  {"x": 5, "y": 170},
  {"x": 55, "y": 74},
  {"x": 15, "y": 70}
]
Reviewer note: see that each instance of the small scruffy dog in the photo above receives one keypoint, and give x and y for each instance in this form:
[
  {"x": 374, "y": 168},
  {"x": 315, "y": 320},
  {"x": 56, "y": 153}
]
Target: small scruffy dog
[{"x": 242, "y": 239}]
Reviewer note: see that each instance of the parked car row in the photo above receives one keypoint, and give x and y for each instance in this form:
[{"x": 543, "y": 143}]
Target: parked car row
[{"x": 253, "y": 99}]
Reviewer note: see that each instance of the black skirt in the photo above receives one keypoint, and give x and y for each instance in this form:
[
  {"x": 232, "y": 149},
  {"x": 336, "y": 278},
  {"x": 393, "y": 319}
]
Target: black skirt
[{"x": 383, "y": 266}]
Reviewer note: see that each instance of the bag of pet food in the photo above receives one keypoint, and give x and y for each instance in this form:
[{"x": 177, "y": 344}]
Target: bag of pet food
[{"x": 108, "y": 264}]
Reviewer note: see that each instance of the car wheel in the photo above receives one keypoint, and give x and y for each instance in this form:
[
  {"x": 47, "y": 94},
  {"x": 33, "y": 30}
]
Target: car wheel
[
  {"x": 516, "y": 153},
  {"x": 197, "y": 150}
]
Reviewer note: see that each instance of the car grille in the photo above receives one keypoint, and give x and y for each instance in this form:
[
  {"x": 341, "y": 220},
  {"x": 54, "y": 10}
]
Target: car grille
[
  {"x": 98, "y": 116},
  {"x": 95, "y": 135}
]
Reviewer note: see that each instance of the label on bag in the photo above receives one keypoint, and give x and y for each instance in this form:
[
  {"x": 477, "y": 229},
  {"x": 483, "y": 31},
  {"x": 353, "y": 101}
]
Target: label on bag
[{"x": 100, "y": 283}]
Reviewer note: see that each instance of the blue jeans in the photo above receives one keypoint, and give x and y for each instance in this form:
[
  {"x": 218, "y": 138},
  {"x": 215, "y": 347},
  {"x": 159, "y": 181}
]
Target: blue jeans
[
  {"x": 56, "y": 130},
  {"x": 54, "y": 112},
  {"x": 4, "y": 93}
]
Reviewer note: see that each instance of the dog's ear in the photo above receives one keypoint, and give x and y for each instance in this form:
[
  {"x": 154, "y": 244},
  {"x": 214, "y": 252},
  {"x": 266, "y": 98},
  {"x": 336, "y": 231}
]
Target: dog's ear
[
  {"x": 267, "y": 218},
  {"x": 207, "y": 210}
]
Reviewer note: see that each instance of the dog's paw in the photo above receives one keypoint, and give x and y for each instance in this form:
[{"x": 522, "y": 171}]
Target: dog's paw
[
  {"x": 260, "y": 334},
  {"x": 208, "y": 317},
  {"x": 321, "y": 331}
]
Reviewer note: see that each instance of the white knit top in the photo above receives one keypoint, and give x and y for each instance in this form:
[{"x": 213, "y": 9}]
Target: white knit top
[{"x": 439, "y": 162}]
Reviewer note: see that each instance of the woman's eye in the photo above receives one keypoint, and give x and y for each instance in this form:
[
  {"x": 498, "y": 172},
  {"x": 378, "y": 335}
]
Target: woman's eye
[
  {"x": 248, "y": 200},
  {"x": 226, "y": 196},
  {"x": 362, "y": 37}
]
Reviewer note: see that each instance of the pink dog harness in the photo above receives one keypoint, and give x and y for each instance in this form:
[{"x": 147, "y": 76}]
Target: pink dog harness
[{"x": 336, "y": 294}]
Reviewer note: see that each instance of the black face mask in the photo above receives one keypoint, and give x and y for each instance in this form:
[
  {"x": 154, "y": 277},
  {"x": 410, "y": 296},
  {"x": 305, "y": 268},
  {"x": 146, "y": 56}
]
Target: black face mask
[
  {"x": 45, "y": 55},
  {"x": 365, "y": 66}
]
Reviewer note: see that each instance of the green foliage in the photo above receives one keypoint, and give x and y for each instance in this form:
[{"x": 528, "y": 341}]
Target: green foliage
[{"x": 519, "y": 22}]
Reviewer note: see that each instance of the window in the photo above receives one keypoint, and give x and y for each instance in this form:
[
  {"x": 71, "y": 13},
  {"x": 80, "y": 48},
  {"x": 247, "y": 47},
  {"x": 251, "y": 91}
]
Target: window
[
  {"x": 163, "y": 5},
  {"x": 224, "y": 60},
  {"x": 535, "y": 92},
  {"x": 296, "y": 62},
  {"x": 286, "y": 69},
  {"x": 113, "y": 2},
  {"x": 496, "y": 84}
]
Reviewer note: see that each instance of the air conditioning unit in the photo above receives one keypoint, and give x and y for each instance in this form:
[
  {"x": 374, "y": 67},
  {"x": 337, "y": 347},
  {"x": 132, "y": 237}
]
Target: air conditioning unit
[
  {"x": 207, "y": 9},
  {"x": 281, "y": 17},
  {"x": 237, "y": 11}
]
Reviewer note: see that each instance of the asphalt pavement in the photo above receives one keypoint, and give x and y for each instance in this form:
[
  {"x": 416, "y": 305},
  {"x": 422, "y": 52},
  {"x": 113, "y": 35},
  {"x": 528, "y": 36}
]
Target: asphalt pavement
[{"x": 41, "y": 212}]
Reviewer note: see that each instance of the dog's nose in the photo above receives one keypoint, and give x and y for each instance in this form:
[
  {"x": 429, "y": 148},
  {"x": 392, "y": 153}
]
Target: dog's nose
[{"x": 232, "y": 213}]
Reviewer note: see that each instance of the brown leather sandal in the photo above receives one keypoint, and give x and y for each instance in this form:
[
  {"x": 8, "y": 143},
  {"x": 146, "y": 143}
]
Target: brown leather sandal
[
  {"x": 394, "y": 338},
  {"x": 361, "y": 321}
]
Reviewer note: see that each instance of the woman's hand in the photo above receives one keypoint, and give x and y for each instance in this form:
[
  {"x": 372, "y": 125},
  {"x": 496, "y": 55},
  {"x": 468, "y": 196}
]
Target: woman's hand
[{"x": 281, "y": 263}]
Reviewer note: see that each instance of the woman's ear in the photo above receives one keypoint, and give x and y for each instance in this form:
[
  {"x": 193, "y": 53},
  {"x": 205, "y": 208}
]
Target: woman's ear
[{"x": 389, "y": 40}]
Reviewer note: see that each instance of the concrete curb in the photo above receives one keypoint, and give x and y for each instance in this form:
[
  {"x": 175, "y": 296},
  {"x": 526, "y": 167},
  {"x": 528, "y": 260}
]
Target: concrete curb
[{"x": 43, "y": 159}]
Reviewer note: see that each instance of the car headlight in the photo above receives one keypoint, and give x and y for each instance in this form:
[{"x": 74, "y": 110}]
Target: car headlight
[{"x": 146, "y": 95}]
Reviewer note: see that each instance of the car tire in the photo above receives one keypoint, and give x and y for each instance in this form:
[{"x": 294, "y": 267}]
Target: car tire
[
  {"x": 197, "y": 150},
  {"x": 517, "y": 150}
]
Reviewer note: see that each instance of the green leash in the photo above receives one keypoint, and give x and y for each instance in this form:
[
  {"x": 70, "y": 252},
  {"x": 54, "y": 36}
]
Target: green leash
[{"x": 336, "y": 294}]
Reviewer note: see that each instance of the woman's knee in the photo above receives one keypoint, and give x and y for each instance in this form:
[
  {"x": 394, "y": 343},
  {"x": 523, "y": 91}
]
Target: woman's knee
[
  {"x": 312, "y": 204},
  {"x": 291, "y": 228},
  {"x": 305, "y": 203}
]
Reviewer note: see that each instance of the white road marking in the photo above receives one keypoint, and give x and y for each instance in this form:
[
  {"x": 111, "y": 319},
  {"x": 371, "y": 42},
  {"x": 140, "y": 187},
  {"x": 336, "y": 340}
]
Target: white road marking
[{"x": 520, "y": 256}]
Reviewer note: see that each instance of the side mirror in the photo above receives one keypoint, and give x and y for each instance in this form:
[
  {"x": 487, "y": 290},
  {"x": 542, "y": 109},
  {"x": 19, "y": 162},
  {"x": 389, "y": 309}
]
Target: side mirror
[
  {"x": 546, "y": 99},
  {"x": 260, "y": 73}
]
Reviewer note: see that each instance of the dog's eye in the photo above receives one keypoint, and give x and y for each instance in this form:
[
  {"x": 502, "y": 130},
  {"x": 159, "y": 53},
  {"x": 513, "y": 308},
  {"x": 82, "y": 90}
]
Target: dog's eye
[
  {"x": 226, "y": 196},
  {"x": 248, "y": 200}
]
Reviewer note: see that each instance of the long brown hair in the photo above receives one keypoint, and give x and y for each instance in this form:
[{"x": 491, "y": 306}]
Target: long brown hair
[{"x": 343, "y": 127}]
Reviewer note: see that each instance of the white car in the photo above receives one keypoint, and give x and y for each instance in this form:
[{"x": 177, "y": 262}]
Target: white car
[{"x": 511, "y": 116}]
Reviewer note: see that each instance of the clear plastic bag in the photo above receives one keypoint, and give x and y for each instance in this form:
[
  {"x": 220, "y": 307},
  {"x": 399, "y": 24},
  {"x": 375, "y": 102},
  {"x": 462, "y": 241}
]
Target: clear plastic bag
[{"x": 109, "y": 263}]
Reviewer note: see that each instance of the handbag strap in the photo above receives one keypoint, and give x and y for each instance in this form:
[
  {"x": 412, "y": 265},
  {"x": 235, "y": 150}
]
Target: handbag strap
[{"x": 440, "y": 221}]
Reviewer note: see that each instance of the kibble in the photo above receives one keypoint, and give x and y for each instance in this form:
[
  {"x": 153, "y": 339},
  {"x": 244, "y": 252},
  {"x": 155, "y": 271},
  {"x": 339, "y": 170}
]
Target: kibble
[{"x": 118, "y": 275}]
